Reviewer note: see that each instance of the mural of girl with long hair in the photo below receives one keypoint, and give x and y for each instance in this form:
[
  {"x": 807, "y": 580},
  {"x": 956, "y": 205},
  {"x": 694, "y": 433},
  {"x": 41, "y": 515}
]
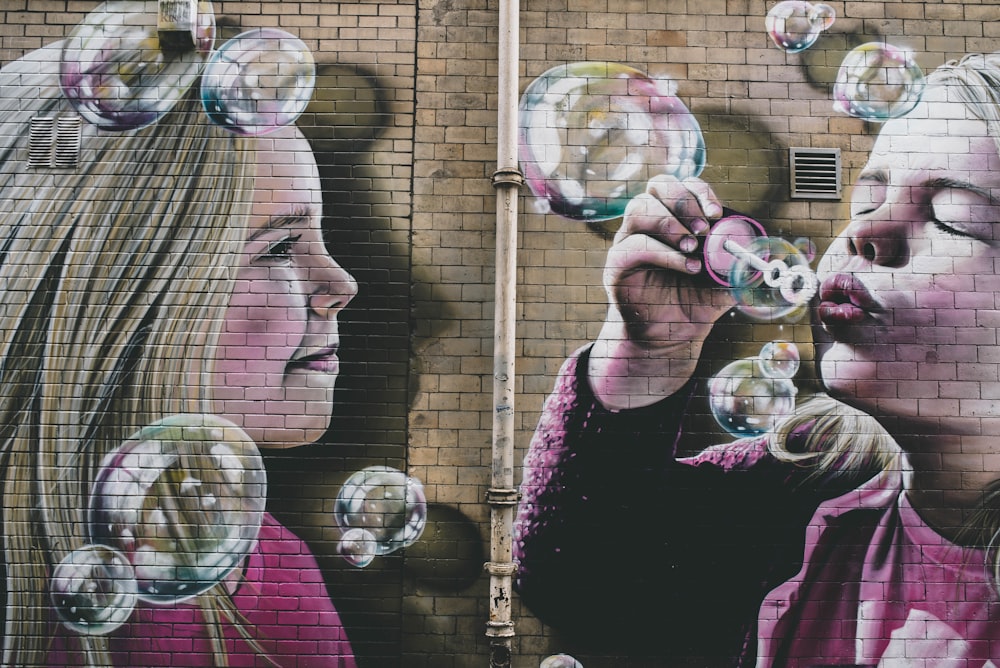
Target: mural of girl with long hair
[
  {"x": 861, "y": 531},
  {"x": 177, "y": 277}
]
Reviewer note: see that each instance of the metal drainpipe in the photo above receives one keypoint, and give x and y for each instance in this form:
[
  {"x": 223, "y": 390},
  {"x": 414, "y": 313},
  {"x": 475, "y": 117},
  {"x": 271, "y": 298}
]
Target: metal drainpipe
[{"x": 502, "y": 494}]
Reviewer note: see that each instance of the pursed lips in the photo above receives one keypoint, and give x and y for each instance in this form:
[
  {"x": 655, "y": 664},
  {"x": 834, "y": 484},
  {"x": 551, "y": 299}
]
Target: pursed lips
[{"x": 845, "y": 300}]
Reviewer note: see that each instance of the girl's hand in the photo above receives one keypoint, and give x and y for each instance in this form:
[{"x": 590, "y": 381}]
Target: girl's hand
[{"x": 662, "y": 306}]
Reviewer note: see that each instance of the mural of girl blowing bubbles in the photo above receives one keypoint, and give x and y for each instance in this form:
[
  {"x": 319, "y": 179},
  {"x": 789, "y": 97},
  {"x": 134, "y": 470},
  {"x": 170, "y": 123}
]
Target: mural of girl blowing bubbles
[
  {"x": 861, "y": 530},
  {"x": 169, "y": 306}
]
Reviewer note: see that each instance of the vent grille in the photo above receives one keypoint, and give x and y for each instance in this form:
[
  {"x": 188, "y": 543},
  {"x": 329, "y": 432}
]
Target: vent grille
[
  {"x": 54, "y": 142},
  {"x": 41, "y": 136},
  {"x": 815, "y": 173}
]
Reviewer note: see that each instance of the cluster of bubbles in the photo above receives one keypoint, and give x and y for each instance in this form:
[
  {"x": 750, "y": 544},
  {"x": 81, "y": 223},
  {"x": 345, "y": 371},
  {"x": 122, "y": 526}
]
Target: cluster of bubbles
[
  {"x": 380, "y": 510},
  {"x": 795, "y": 25},
  {"x": 878, "y": 81},
  {"x": 749, "y": 396},
  {"x": 172, "y": 512},
  {"x": 117, "y": 74},
  {"x": 592, "y": 134},
  {"x": 560, "y": 661}
]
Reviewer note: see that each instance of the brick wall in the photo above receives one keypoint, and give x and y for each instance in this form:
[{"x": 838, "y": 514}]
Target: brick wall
[{"x": 404, "y": 130}]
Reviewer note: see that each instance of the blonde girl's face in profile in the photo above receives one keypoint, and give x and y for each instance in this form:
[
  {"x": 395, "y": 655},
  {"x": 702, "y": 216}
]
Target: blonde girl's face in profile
[
  {"x": 277, "y": 360},
  {"x": 910, "y": 290}
]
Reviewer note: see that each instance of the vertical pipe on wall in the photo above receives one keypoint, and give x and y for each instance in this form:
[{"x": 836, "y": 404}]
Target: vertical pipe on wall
[{"x": 502, "y": 495}]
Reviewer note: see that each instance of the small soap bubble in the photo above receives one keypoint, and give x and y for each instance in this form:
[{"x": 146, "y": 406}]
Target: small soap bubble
[
  {"x": 183, "y": 499},
  {"x": 593, "y": 134},
  {"x": 560, "y": 661},
  {"x": 794, "y": 25},
  {"x": 114, "y": 73},
  {"x": 93, "y": 590},
  {"x": 358, "y": 547},
  {"x": 747, "y": 402},
  {"x": 878, "y": 81},
  {"x": 386, "y": 503},
  {"x": 258, "y": 82},
  {"x": 783, "y": 291},
  {"x": 779, "y": 359}
]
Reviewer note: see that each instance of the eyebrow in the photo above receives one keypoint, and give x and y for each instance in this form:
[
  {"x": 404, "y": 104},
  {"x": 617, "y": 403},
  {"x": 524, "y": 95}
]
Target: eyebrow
[
  {"x": 298, "y": 215},
  {"x": 945, "y": 182},
  {"x": 940, "y": 183}
]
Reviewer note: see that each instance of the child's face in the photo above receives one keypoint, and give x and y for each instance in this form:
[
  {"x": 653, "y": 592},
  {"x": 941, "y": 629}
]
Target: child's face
[
  {"x": 910, "y": 291},
  {"x": 277, "y": 362}
]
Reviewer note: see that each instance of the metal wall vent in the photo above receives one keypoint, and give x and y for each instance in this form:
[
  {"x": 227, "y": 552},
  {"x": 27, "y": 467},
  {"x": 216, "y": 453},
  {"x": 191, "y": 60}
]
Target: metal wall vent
[
  {"x": 815, "y": 173},
  {"x": 54, "y": 142}
]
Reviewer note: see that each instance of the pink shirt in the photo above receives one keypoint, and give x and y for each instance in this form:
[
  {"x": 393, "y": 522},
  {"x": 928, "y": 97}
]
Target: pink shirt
[
  {"x": 880, "y": 588},
  {"x": 282, "y": 597}
]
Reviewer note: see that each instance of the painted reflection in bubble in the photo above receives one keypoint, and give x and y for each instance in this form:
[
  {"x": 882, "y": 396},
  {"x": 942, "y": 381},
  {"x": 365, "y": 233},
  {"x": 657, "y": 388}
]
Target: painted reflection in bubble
[
  {"x": 592, "y": 134},
  {"x": 183, "y": 500},
  {"x": 750, "y": 396},
  {"x": 380, "y": 510},
  {"x": 795, "y": 25},
  {"x": 114, "y": 73},
  {"x": 93, "y": 590},
  {"x": 878, "y": 81}
]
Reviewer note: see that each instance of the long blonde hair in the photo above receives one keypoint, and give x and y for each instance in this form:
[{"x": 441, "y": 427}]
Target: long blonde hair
[{"x": 114, "y": 280}]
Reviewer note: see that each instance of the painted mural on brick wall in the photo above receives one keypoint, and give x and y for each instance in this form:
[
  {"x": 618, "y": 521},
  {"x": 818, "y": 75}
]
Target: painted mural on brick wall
[
  {"x": 854, "y": 523},
  {"x": 170, "y": 314}
]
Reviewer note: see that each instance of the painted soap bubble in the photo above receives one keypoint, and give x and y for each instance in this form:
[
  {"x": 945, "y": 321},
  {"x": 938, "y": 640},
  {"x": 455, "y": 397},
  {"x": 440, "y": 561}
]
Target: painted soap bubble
[
  {"x": 183, "y": 499},
  {"x": 258, "y": 81},
  {"x": 771, "y": 279},
  {"x": 779, "y": 359},
  {"x": 114, "y": 73},
  {"x": 746, "y": 401},
  {"x": 592, "y": 134},
  {"x": 93, "y": 590},
  {"x": 358, "y": 547},
  {"x": 877, "y": 81},
  {"x": 560, "y": 661},
  {"x": 794, "y": 25},
  {"x": 380, "y": 509}
]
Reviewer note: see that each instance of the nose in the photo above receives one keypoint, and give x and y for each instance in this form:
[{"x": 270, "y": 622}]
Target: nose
[
  {"x": 880, "y": 237},
  {"x": 333, "y": 287}
]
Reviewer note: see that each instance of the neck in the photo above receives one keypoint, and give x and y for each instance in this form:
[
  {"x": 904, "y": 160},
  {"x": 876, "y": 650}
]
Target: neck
[{"x": 951, "y": 484}]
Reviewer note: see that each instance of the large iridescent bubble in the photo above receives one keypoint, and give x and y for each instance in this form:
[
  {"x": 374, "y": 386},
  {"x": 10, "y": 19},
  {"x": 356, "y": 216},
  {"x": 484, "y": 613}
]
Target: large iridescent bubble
[
  {"x": 115, "y": 74},
  {"x": 259, "y": 81},
  {"x": 380, "y": 509},
  {"x": 795, "y": 25},
  {"x": 878, "y": 81},
  {"x": 592, "y": 134},
  {"x": 93, "y": 590},
  {"x": 183, "y": 499},
  {"x": 746, "y": 401}
]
